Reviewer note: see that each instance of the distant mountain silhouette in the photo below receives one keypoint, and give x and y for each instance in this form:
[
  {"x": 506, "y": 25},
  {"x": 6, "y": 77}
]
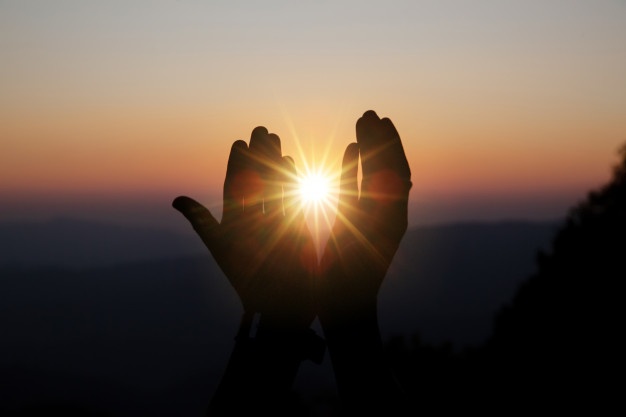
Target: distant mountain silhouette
[
  {"x": 83, "y": 244},
  {"x": 164, "y": 328},
  {"x": 145, "y": 328},
  {"x": 446, "y": 282}
]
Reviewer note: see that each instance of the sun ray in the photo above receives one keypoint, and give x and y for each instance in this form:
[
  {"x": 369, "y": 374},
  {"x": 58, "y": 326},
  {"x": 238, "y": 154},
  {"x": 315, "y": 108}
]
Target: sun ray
[{"x": 319, "y": 173}]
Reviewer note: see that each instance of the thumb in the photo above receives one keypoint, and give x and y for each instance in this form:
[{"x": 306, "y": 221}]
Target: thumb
[{"x": 199, "y": 216}]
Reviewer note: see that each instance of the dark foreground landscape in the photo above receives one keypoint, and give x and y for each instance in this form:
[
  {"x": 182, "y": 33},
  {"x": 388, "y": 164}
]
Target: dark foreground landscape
[{"x": 114, "y": 321}]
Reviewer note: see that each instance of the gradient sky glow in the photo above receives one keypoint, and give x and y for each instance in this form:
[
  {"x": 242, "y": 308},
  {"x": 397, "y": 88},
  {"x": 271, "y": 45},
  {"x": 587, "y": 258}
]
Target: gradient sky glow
[{"x": 498, "y": 102}]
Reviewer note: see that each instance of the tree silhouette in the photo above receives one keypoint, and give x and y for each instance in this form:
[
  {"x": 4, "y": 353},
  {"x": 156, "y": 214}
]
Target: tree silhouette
[
  {"x": 558, "y": 341},
  {"x": 557, "y": 344}
]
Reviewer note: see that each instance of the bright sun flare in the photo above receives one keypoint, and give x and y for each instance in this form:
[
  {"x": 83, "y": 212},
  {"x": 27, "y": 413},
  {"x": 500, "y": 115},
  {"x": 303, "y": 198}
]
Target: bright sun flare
[{"x": 314, "y": 188}]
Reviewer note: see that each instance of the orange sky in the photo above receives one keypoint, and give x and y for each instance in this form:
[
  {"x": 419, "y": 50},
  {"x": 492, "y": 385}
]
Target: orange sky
[{"x": 145, "y": 97}]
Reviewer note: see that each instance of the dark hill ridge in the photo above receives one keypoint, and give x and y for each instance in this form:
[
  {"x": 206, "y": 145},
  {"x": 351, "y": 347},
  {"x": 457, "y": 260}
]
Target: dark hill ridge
[
  {"x": 161, "y": 325},
  {"x": 447, "y": 281},
  {"x": 143, "y": 328},
  {"x": 83, "y": 244}
]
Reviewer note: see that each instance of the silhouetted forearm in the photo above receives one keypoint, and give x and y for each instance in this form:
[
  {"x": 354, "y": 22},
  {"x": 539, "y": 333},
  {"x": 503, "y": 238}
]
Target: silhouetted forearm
[
  {"x": 260, "y": 373},
  {"x": 364, "y": 382},
  {"x": 258, "y": 378}
]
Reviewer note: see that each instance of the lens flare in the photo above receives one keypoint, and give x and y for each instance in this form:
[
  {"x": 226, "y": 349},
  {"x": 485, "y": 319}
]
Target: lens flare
[
  {"x": 318, "y": 172},
  {"x": 314, "y": 188}
]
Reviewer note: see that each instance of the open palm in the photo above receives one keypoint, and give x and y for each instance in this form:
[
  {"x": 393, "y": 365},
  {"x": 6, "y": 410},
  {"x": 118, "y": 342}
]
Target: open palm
[
  {"x": 369, "y": 224},
  {"x": 262, "y": 243}
]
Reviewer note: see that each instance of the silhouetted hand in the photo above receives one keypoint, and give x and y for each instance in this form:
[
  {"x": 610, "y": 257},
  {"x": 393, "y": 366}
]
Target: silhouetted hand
[
  {"x": 265, "y": 249},
  {"x": 369, "y": 226},
  {"x": 262, "y": 243},
  {"x": 363, "y": 241}
]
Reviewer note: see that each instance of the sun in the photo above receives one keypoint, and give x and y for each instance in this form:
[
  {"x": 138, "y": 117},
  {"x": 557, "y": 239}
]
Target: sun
[{"x": 314, "y": 188}]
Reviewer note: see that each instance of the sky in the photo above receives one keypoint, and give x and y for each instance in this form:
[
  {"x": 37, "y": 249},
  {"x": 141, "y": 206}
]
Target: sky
[{"x": 108, "y": 110}]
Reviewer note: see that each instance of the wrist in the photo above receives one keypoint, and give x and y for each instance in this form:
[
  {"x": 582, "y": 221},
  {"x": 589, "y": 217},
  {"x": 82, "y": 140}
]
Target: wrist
[
  {"x": 347, "y": 312},
  {"x": 289, "y": 343},
  {"x": 352, "y": 327}
]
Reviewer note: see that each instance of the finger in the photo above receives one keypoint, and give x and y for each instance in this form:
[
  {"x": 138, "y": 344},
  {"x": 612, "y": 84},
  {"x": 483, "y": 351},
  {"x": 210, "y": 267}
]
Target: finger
[
  {"x": 266, "y": 149},
  {"x": 200, "y": 218},
  {"x": 253, "y": 203},
  {"x": 386, "y": 172},
  {"x": 348, "y": 185},
  {"x": 371, "y": 139},
  {"x": 273, "y": 198},
  {"x": 395, "y": 178},
  {"x": 237, "y": 173},
  {"x": 395, "y": 156}
]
